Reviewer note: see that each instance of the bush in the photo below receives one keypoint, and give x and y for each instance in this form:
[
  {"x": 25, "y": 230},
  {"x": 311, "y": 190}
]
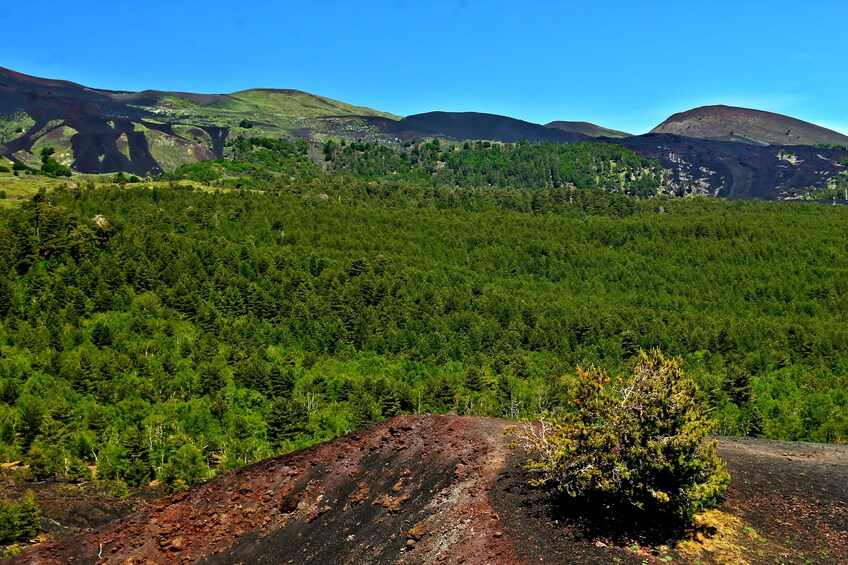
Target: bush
[
  {"x": 637, "y": 448},
  {"x": 52, "y": 167},
  {"x": 19, "y": 521}
]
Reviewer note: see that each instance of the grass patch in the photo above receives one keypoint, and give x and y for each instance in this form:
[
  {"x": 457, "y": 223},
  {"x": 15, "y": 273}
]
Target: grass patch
[
  {"x": 718, "y": 537},
  {"x": 60, "y": 140},
  {"x": 171, "y": 152},
  {"x": 292, "y": 104},
  {"x": 21, "y": 188},
  {"x": 12, "y": 126}
]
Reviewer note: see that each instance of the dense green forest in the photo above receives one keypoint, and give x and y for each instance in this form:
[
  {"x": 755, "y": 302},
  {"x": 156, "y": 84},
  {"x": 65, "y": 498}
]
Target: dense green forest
[
  {"x": 174, "y": 333},
  {"x": 264, "y": 164}
]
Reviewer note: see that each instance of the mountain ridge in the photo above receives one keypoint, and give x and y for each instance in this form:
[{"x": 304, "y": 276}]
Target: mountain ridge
[
  {"x": 746, "y": 125},
  {"x": 587, "y": 128},
  {"x": 151, "y": 132},
  {"x": 482, "y": 126}
]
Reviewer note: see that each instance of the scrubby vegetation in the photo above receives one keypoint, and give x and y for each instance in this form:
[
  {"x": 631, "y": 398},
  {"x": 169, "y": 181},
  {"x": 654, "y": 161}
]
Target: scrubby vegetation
[
  {"x": 52, "y": 167},
  {"x": 633, "y": 449},
  {"x": 525, "y": 165}
]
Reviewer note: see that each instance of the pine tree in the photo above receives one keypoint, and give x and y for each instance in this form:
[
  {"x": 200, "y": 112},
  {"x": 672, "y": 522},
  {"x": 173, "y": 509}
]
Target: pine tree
[
  {"x": 474, "y": 379},
  {"x": 286, "y": 419},
  {"x": 41, "y": 465},
  {"x": 737, "y": 385},
  {"x": 137, "y": 454},
  {"x": 209, "y": 379},
  {"x": 5, "y": 297},
  {"x": 363, "y": 408},
  {"x": 101, "y": 334},
  {"x": 28, "y": 517},
  {"x": 280, "y": 381},
  {"x": 85, "y": 376},
  {"x": 96, "y": 418},
  {"x": 390, "y": 404}
]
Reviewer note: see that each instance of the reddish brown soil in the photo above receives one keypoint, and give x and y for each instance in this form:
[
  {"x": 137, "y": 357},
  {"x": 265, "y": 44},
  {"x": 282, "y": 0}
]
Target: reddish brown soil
[{"x": 447, "y": 489}]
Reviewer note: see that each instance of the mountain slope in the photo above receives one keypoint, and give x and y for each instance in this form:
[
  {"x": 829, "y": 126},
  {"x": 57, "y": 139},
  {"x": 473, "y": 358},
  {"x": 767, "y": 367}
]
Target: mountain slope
[
  {"x": 97, "y": 131},
  {"x": 737, "y": 170},
  {"x": 587, "y": 129},
  {"x": 150, "y": 132},
  {"x": 433, "y": 489},
  {"x": 476, "y": 126},
  {"x": 755, "y": 127}
]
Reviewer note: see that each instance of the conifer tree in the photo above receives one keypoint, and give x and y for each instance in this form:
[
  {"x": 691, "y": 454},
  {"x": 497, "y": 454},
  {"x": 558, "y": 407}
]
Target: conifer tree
[
  {"x": 28, "y": 517},
  {"x": 286, "y": 419},
  {"x": 137, "y": 453}
]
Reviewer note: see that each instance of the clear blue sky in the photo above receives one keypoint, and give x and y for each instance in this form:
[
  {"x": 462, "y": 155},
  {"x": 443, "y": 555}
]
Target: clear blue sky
[{"x": 625, "y": 65}]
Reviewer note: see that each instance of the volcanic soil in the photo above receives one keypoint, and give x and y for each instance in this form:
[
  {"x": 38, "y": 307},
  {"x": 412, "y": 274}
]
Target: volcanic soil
[{"x": 447, "y": 489}]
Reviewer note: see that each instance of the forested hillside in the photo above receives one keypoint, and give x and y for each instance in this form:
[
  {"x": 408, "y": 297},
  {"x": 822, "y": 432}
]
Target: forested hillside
[
  {"x": 433, "y": 163},
  {"x": 175, "y": 333}
]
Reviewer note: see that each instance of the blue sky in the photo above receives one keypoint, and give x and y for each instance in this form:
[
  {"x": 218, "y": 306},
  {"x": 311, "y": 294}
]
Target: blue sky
[{"x": 624, "y": 65}]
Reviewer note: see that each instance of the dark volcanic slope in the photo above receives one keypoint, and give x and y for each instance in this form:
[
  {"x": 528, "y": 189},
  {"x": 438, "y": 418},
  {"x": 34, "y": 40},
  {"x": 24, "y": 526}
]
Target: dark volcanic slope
[
  {"x": 433, "y": 489},
  {"x": 102, "y": 121},
  {"x": 736, "y": 170},
  {"x": 726, "y": 123},
  {"x": 474, "y": 125},
  {"x": 100, "y": 131},
  {"x": 587, "y": 129}
]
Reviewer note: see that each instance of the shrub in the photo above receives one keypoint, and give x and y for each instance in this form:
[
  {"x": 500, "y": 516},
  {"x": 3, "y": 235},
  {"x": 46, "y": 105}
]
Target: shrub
[
  {"x": 52, "y": 167},
  {"x": 19, "y": 521},
  {"x": 633, "y": 448}
]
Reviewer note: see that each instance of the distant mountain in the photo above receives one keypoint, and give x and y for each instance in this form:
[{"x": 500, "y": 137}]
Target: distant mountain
[
  {"x": 148, "y": 132},
  {"x": 587, "y": 129},
  {"x": 475, "y": 125},
  {"x": 742, "y": 125},
  {"x": 715, "y": 150}
]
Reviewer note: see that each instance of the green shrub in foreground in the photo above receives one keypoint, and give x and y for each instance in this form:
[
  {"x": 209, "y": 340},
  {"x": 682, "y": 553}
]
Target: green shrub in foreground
[{"x": 633, "y": 448}]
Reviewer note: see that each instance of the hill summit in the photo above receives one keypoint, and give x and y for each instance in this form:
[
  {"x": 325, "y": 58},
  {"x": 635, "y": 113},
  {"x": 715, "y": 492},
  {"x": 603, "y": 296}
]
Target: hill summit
[{"x": 743, "y": 125}]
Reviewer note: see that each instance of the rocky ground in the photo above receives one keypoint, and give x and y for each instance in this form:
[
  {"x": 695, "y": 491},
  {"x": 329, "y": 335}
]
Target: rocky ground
[{"x": 447, "y": 489}]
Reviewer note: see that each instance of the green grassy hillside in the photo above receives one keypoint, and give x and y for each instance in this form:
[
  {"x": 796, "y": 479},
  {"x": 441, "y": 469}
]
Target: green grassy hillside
[{"x": 297, "y": 104}]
